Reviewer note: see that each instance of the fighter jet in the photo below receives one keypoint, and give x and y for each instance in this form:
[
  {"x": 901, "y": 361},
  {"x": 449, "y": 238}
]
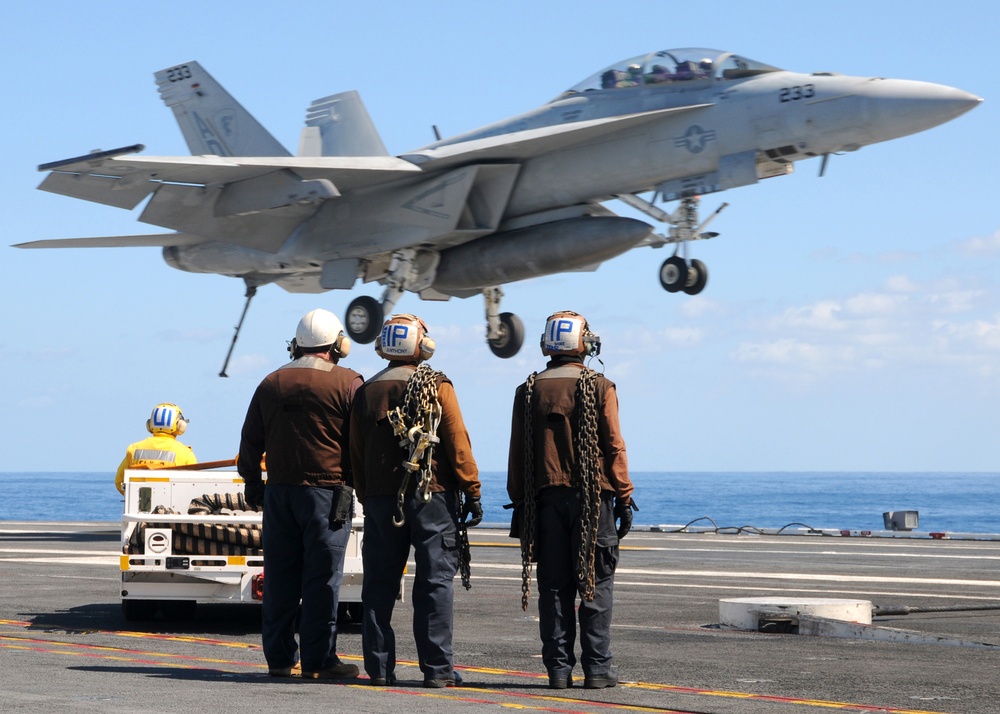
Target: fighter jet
[{"x": 463, "y": 216}]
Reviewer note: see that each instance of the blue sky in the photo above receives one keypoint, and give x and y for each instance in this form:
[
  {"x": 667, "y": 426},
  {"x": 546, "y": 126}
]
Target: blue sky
[{"x": 850, "y": 322}]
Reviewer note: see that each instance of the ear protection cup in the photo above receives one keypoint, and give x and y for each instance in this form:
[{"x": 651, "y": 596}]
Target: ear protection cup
[
  {"x": 149, "y": 426},
  {"x": 427, "y": 347},
  {"x": 343, "y": 345}
]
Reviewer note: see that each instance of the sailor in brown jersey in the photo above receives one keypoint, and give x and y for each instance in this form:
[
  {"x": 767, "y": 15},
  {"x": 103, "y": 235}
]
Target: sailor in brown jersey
[
  {"x": 300, "y": 415},
  {"x": 410, "y": 497},
  {"x": 568, "y": 471}
]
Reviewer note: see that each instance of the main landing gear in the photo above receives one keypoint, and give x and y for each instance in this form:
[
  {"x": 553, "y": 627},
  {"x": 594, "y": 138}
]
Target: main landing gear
[
  {"x": 504, "y": 330},
  {"x": 678, "y": 274},
  {"x": 364, "y": 316}
]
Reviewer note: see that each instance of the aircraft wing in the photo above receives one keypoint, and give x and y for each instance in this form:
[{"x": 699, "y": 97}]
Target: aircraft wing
[
  {"x": 112, "y": 178},
  {"x": 154, "y": 240},
  {"x": 522, "y": 145}
]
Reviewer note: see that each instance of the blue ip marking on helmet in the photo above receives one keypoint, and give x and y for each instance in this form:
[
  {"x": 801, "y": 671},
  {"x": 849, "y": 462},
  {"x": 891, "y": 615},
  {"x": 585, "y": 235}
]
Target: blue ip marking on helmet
[
  {"x": 559, "y": 327},
  {"x": 398, "y": 339},
  {"x": 394, "y": 333},
  {"x": 163, "y": 417}
]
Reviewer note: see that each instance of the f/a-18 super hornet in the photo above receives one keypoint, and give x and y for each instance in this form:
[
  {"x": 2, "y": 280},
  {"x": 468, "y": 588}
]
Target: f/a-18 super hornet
[{"x": 520, "y": 198}]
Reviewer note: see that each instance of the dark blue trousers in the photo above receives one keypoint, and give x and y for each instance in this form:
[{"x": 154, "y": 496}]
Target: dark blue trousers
[
  {"x": 431, "y": 530},
  {"x": 560, "y": 511},
  {"x": 303, "y": 560}
]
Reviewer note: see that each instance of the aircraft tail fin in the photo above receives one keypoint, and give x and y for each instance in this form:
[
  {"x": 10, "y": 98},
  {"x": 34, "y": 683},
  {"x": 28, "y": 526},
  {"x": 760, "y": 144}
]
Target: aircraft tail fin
[
  {"x": 212, "y": 121},
  {"x": 339, "y": 125}
]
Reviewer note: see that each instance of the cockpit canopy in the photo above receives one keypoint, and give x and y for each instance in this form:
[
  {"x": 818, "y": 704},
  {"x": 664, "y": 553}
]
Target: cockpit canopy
[{"x": 671, "y": 66}]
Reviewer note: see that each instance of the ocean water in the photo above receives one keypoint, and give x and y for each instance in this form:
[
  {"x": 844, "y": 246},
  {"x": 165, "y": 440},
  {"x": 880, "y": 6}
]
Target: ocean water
[{"x": 949, "y": 502}]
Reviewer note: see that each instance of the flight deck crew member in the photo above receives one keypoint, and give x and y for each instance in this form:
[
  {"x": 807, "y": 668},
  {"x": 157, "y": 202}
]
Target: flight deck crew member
[
  {"x": 300, "y": 415},
  {"x": 416, "y": 504},
  {"x": 166, "y": 423},
  {"x": 568, "y": 469}
]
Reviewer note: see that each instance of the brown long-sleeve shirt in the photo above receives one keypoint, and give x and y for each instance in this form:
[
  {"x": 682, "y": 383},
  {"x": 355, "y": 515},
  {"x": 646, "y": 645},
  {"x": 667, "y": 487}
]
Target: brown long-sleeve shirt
[
  {"x": 553, "y": 419},
  {"x": 376, "y": 455},
  {"x": 300, "y": 415}
]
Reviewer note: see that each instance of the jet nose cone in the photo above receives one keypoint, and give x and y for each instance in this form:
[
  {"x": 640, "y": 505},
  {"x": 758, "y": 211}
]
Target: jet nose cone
[{"x": 900, "y": 107}]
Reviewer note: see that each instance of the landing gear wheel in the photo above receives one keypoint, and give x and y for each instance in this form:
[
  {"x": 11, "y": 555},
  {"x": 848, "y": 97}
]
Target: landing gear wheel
[
  {"x": 697, "y": 278},
  {"x": 511, "y": 336},
  {"x": 363, "y": 319},
  {"x": 140, "y": 610},
  {"x": 674, "y": 274}
]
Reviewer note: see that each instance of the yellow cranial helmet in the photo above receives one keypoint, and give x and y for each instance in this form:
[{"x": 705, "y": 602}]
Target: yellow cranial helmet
[
  {"x": 404, "y": 338},
  {"x": 567, "y": 333},
  {"x": 166, "y": 419}
]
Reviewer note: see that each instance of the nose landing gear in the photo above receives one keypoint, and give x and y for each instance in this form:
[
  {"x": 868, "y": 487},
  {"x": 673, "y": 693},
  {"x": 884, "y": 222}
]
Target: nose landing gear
[{"x": 676, "y": 273}]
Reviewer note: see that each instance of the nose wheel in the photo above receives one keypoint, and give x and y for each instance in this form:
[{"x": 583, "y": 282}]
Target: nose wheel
[{"x": 677, "y": 275}]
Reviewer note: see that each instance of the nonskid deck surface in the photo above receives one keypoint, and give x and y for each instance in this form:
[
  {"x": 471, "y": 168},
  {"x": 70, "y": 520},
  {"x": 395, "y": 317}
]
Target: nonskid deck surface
[{"x": 64, "y": 644}]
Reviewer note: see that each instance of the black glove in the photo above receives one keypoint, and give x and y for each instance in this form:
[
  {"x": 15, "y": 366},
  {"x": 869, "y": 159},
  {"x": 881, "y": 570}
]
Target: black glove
[
  {"x": 253, "y": 493},
  {"x": 623, "y": 514},
  {"x": 475, "y": 508}
]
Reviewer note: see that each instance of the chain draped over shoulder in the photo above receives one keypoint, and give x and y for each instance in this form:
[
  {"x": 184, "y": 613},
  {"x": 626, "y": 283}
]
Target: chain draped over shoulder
[{"x": 586, "y": 477}]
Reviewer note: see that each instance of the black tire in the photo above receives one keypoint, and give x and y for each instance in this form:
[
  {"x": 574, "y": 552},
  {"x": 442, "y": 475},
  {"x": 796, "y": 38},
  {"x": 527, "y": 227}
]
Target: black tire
[
  {"x": 363, "y": 319},
  {"x": 179, "y": 610},
  {"x": 674, "y": 274},
  {"x": 697, "y": 278},
  {"x": 140, "y": 610},
  {"x": 511, "y": 336}
]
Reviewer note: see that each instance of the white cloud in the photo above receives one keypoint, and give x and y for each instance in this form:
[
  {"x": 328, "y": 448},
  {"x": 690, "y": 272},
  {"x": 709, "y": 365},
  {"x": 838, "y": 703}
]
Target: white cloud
[
  {"x": 683, "y": 336},
  {"x": 980, "y": 246},
  {"x": 976, "y": 334},
  {"x": 908, "y": 324},
  {"x": 823, "y": 315},
  {"x": 901, "y": 284},
  {"x": 875, "y": 304},
  {"x": 701, "y": 307}
]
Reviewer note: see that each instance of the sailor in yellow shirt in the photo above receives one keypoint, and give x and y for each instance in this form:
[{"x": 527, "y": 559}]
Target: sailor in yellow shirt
[{"x": 166, "y": 423}]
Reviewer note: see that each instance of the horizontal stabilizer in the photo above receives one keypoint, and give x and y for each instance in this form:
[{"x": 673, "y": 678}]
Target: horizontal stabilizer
[
  {"x": 152, "y": 240},
  {"x": 124, "y": 181},
  {"x": 93, "y": 159},
  {"x": 523, "y": 145}
]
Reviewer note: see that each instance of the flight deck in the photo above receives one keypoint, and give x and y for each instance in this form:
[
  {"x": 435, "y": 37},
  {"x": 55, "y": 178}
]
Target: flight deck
[{"x": 65, "y": 645}]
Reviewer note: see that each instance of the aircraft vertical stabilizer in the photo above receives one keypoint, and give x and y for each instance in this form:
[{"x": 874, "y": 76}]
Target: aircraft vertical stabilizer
[
  {"x": 343, "y": 126},
  {"x": 210, "y": 119}
]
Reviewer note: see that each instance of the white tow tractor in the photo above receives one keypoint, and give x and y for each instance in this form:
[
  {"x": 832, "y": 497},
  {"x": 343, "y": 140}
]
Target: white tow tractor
[{"x": 187, "y": 538}]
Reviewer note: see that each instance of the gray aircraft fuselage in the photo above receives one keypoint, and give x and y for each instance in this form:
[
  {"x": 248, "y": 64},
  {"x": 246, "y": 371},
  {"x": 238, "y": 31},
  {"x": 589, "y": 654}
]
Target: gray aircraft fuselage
[{"x": 520, "y": 198}]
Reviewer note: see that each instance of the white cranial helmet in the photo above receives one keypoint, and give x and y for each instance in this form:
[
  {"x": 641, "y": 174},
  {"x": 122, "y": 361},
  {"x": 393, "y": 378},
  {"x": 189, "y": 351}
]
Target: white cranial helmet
[
  {"x": 318, "y": 329},
  {"x": 404, "y": 338},
  {"x": 567, "y": 333}
]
